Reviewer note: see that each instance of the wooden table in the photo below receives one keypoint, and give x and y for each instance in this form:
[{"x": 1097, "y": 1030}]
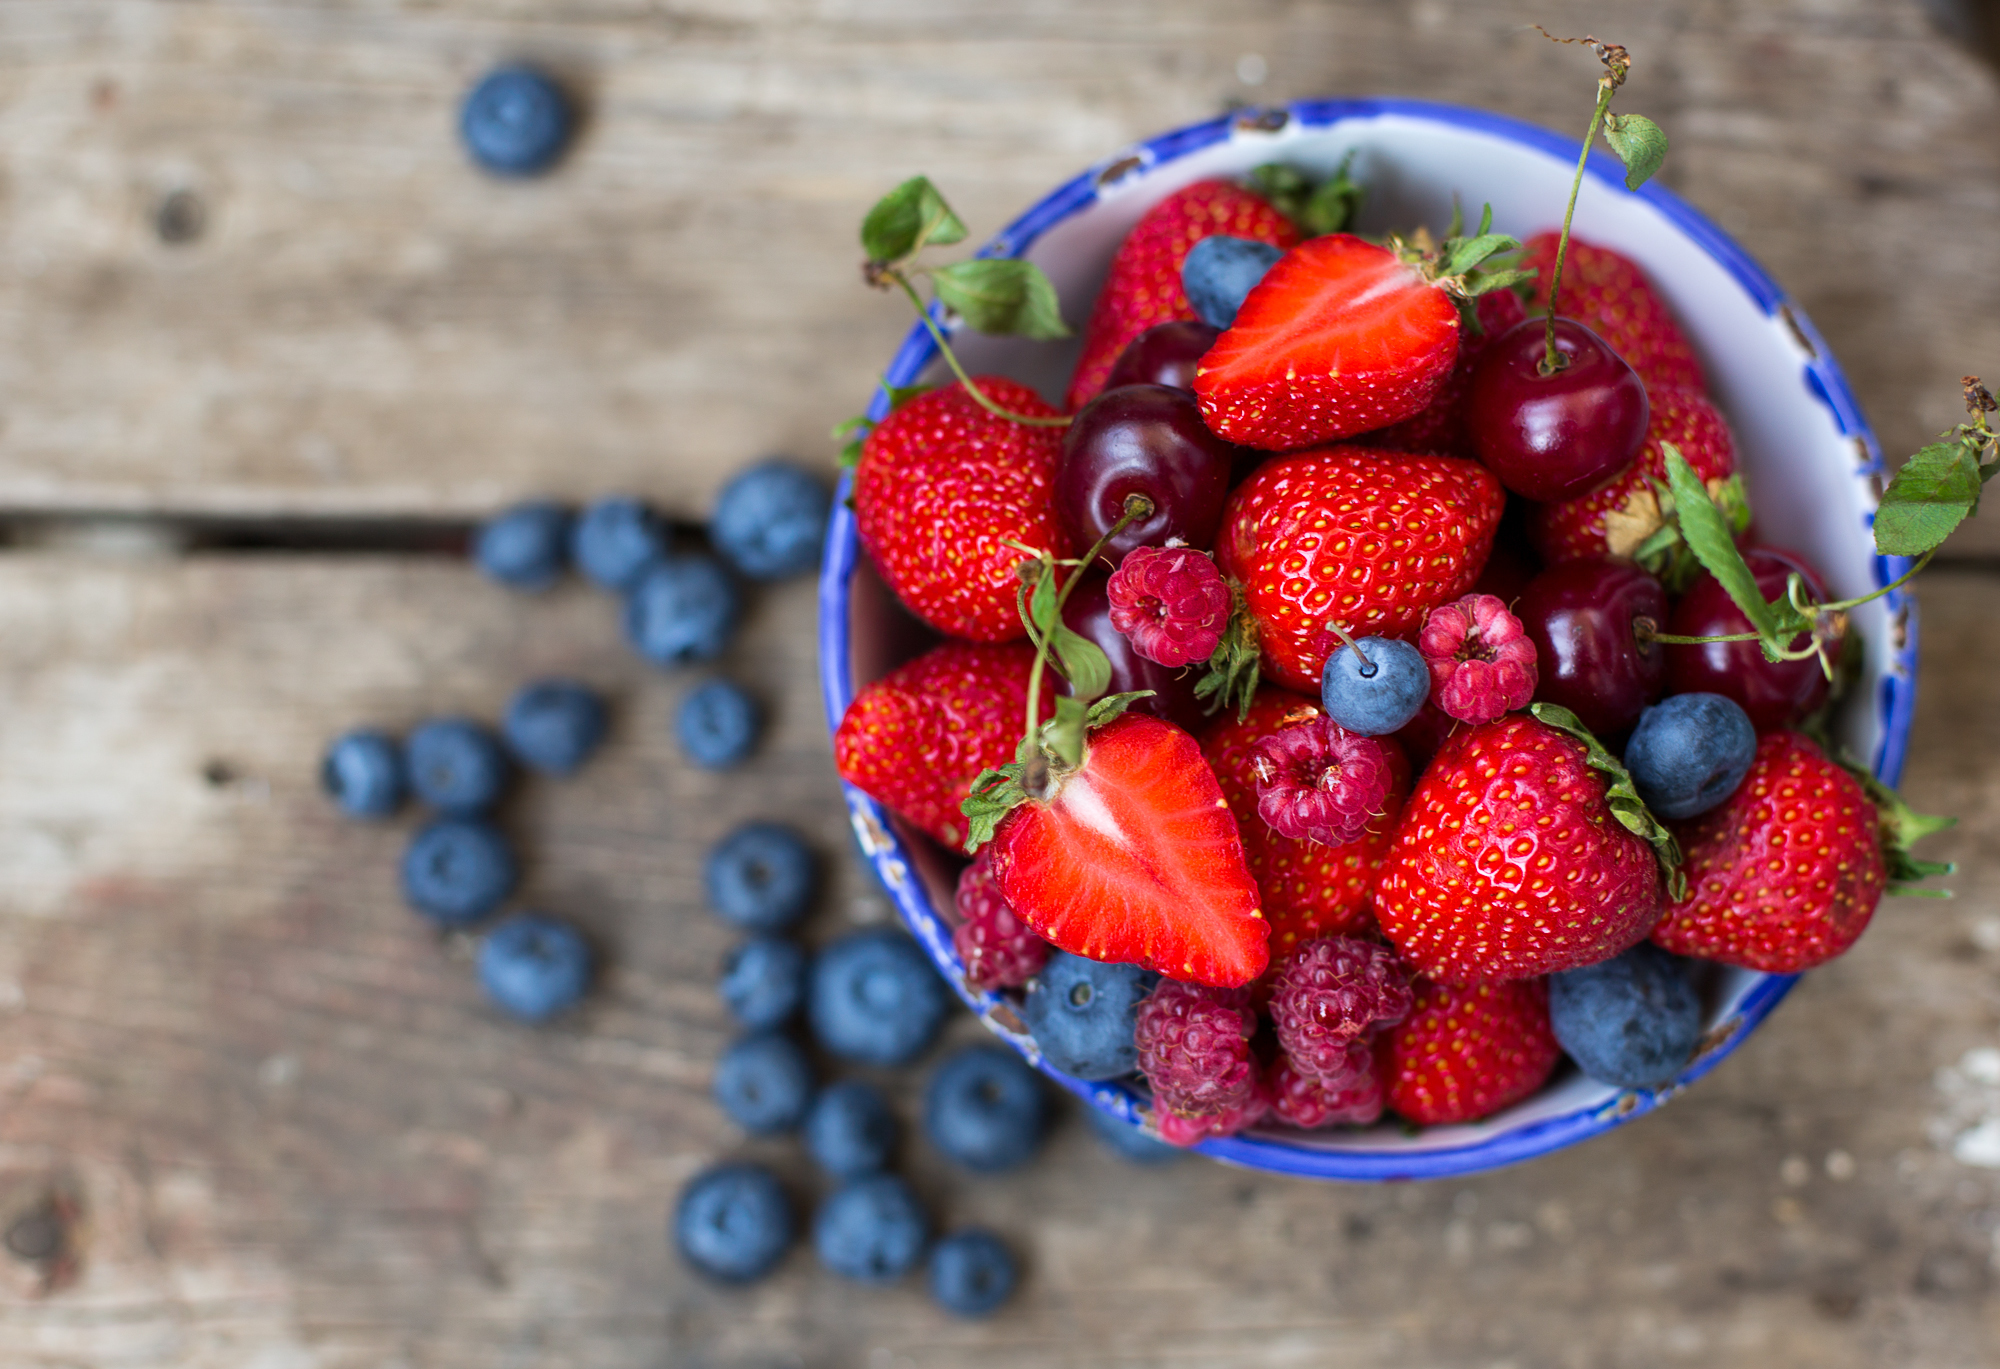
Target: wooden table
[{"x": 265, "y": 341}]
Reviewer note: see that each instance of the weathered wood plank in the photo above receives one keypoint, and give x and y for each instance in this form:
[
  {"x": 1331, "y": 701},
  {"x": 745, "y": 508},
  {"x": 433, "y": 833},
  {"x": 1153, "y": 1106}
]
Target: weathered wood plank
[{"x": 300, "y": 1139}]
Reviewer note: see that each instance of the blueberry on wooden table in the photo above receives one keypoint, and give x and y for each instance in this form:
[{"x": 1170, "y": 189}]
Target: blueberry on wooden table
[
  {"x": 733, "y": 1222},
  {"x": 874, "y": 998},
  {"x": 872, "y": 1229},
  {"x": 760, "y": 877},
  {"x": 971, "y": 1272},
  {"x": 525, "y": 547},
  {"x": 616, "y": 539},
  {"x": 554, "y": 725},
  {"x": 516, "y": 121},
  {"x": 770, "y": 521},
  {"x": 363, "y": 771},
  {"x": 457, "y": 870},
  {"x": 681, "y": 610},
  {"x": 764, "y": 981},
  {"x": 455, "y": 765},
  {"x": 764, "y": 1083},
  {"x": 717, "y": 725},
  {"x": 534, "y": 966},
  {"x": 985, "y": 1109},
  {"x": 850, "y": 1129}
]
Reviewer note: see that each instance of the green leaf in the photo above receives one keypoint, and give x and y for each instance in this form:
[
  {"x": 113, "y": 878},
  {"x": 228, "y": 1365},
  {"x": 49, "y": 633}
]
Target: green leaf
[
  {"x": 906, "y": 219},
  {"x": 1462, "y": 254},
  {"x": 1639, "y": 143},
  {"x": 1112, "y": 705},
  {"x": 850, "y": 454},
  {"x": 1622, "y": 797},
  {"x": 995, "y": 794},
  {"x": 1042, "y": 606},
  {"x": 1063, "y": 734},
  {"x": 1933, "y": 493},
  {"x": 899, "y": 395},
  {"x": 1318, "y": 208},
  {"x": 1084, "y": 663},
  {"x": 1002, "y": 296},
  {"x": 1233, "y": 667},
  {"x": 1708, "y": 535}
]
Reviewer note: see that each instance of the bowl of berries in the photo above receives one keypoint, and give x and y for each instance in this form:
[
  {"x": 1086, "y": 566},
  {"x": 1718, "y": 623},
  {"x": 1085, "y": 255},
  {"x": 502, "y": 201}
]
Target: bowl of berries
[{"x": 1338, "y": 710}]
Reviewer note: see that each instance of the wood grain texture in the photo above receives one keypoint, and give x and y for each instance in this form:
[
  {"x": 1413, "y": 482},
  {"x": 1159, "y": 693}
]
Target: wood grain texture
[
  {"x": 365, "y": 325},
  {"x": 299, "y": 1139}
]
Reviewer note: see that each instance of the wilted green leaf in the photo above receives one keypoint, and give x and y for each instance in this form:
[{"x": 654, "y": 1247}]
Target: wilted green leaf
[
  {"x": 1639, "y": 143},
  {"x": 1929, "y": 497},
  {"x": 908, "y": 218}
]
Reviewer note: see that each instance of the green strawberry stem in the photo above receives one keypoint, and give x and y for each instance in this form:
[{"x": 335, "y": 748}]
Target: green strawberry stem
[{"x": 951, "y": 359}]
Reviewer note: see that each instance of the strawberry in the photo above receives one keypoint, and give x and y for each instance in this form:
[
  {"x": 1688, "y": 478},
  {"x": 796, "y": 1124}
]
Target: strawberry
[
  {"x": 1368, "y": 540},
  {"x": 1611, "y": 296},
  {"x": 1309, "y": 890},
  {"x": 1785, "y": 874},
  {"x": 1616, "y": 517},
  {"x": 1440, "y": 427},
  {"x": 1463, "y": 1053},
  {"x": 916, "y": 739},
  {"x": 1143, "y": 287},
  {"x": 1132, "y": 857},
  {"x": 1509, "y": 862},
  {"x": 942, "y": 486}
]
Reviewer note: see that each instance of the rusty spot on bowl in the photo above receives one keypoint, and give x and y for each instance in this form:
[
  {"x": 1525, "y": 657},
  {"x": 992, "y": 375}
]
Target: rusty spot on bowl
[
  {"x": 1716, "y": 1037},
  {"x": 1255, "y": 120},
  {"x": 1120, "y": 169}
]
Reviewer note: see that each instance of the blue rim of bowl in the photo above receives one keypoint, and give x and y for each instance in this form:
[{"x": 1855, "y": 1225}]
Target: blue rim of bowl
[{"x": 1895, "y": 704}]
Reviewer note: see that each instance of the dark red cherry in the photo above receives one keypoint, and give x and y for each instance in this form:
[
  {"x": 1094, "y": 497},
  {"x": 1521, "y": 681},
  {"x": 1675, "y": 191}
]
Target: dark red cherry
[
  {"x": 1553, "y": 437},
  {"x": 1088, "y": 613},
  {"x": 1772, "y": 693},
  {"x": 1165, "y": 354},
  {"x": 1143, "y": 439},
  {"x": 1591, "y": 622}
]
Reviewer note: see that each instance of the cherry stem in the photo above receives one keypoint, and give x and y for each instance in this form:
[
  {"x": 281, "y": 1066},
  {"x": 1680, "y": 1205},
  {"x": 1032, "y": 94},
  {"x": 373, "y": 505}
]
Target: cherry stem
[
  {"x": 1552, "y": 360},
  {"x": 1367, "y": 666},
  {"x": 1890, "y": 588},
  {"x": 1137, "y": 506},
  {"x": 951, "y": 360}
]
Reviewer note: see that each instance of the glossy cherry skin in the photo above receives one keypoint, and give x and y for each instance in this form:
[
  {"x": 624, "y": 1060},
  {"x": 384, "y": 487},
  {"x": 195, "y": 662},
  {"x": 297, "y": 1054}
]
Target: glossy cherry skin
[
  {"x": 1165, "y": 354},
  {"x": 1087, "y": 612},
  {"x": 1772, "y": 693},
  {"x": 1591, "y": 622},
  {"x": 1150, "y": 440},
  {"x": 1558, "y": 436}
]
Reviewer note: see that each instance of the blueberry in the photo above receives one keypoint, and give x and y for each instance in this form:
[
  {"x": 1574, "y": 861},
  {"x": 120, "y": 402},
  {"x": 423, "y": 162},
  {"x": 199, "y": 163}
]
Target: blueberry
[
  {"x": 971, "y": 1272},
  {"x": 733, "y": 1222},
  {"x": 1218, "y": 272},
  {"x": 457, "y": 870},
  {"x": 554, "y": 725},
  {"x": 1632, "y": 1021},
  {"x": 764, "y": 1083},
  {"x": 1082, "y": 1014},
  {"x": 525, "y": 547},
  {"x": 760, "y": 877},
  {"x": 770, "y": 521},
  {"x": 616, "y": 540},
  {"x": 516, "y": 121},
  {"x": 455, "y": 765},
  {"x": 873, "y": 998},
  {"x": 871, "y": 1229},
  {"x": 1377, "y": 698},
  {"x": 850, "y": 1129},
  {"x": 1130, "y": 1141},
  {"x": 681, "y": 610},
  {"x": 1689, "y": 753},
  {"x": 534, "y": 966},
  {"x": 363, "y": 771},
  {"x": 717, "y": 725},
  {"x": 985, "y": 1109},
  {"x": 764, "y": 981}
]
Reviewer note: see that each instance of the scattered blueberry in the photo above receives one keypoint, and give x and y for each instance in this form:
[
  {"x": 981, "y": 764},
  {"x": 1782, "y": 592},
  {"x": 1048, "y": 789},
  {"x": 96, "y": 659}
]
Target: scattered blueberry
[
  {"x": 1377, "y": 698},
  {"x": 525, "y": 547},
  {"x": 850, "y": 1129},
  {"x": 874, "y": 998},
  {"x": 1129, "y": 1141},
  {"x": 516, "y": 121},
  {"x": 764, "y": 1083},
  {"x": 554, "y": 725},
  {"x": 1689, "y": 753},
  {"x": 616, "y": 540},
  {"x": 764, "y": 981},
  {"x": 1218, "y": 272},
  {"x": 457, "y": 870},
  {"x": 871, "y": 1229},
  {"x": 1632, "y": 1021},
  {"x": 681, "y": 610},
  {"x": 455, "y": 765},
  {"x": 733, "y": 1222},
  {"x": 971, "y": 1272},
  {"x": 770, "y": 521},
  {"x": 1082, "y": 1014},
  {"x": 534, "y": 966},
  {"x": 760, "y": 877},
  {"x": 717, "y": 725},
  {"x": 363, "y": 771},
  {"x": 985, "y": 1109}
]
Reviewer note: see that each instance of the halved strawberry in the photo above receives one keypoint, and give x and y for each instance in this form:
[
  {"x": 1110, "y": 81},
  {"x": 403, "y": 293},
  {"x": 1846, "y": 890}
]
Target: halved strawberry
[{"x": 1440, "y": 428}]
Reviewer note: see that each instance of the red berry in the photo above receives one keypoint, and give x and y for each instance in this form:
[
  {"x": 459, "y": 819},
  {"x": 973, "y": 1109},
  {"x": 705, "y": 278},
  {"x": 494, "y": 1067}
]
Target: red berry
[
  {"x": 1328, "y": 994},
  {"x": 1441, "y": 428},
  {"x": 1353, "y": 1098},
  {"x": 1773, "y": 693},
  {"x": 1555, "y": 434},
  {"x": 1316, "y": 781},
  {"x": 998, "y": 950},
  {"x": 1464, "y": 1053},
  {"x": 1147, "y": 440},
  {"x": 1171, "y": 602},
  {"x": 1194, "y": 1048},
  {"x": 1610, "y": 295},
  {"x": 1482, "y": 663},
  {"x": 1592, "y": 623},
  {"x": 1087, "y": 612},
  {"x": 1177, "y": 1130},
  {"x": 1165, "y": 354}
]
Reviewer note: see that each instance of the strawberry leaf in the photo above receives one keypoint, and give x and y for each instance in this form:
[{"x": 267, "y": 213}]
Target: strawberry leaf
[
  {"x": 1084, "y": 663},
  {"x": 1233, "y": 666},
  {"x": 1622, "y": 796},
  {"x": 1708, "y": 535},
  {"x": 995, "y": 794},
  {"x": 1114, "y": 705},
  {"x": 1002, "y": 296},
  {"x": 1639, "y": 143},
  {"x": 1899, "y": 827},
  {"x": 1931, "y": 495},
  {"x": 907, "y": 219},
  {"x": 1318, "y": 208}
]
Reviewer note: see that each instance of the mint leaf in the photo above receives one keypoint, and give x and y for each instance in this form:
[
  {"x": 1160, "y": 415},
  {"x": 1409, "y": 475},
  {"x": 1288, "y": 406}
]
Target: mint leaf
[
  {"x": 1084, "y": 663},
  {"x": 1708, "y": 535},
  {"x": 907, "y": 219},
  {"x": 1001, "y": 296},
  {"x": 1639, "y": 143},
  {"x": 1621, "y": 796},
  {"x": 995, "y": 794},
  {"x": 1933, "y": 493}
]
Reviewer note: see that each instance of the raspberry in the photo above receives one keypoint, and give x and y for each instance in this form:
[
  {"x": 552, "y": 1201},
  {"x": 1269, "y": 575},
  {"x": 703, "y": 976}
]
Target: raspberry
[
  {"x": 1317, "y": 781},
  {"x": 1194, "y": 1048},
  {"x": 1482, "y": 662},
  {"x": 1171, "y": 602},
  {"x": 1177, "y": 1130},
  {"x": 1327, "y": 994},
  {"x": 997, "y": 948},
  {"x": 1353, "y": 1098}
]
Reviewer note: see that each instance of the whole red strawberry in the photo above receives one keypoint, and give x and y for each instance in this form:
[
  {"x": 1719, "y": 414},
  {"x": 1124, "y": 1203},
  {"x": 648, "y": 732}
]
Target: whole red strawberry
[
  {"x": 1611, "y": 296},
  {"x": 1369, "y": 540},
  {"x": 1509, "y": 863},
  {"x": 1440, "y": 429},
  {"x": 1786, "y": 873},
  {"x": 1143, "y": 287},
  {"x": 942, "y": 488},
  {"x": 916, "y": 739},
  {"x": 1464, "y": 1053},
  {"x": 1309, "y": 890}
]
